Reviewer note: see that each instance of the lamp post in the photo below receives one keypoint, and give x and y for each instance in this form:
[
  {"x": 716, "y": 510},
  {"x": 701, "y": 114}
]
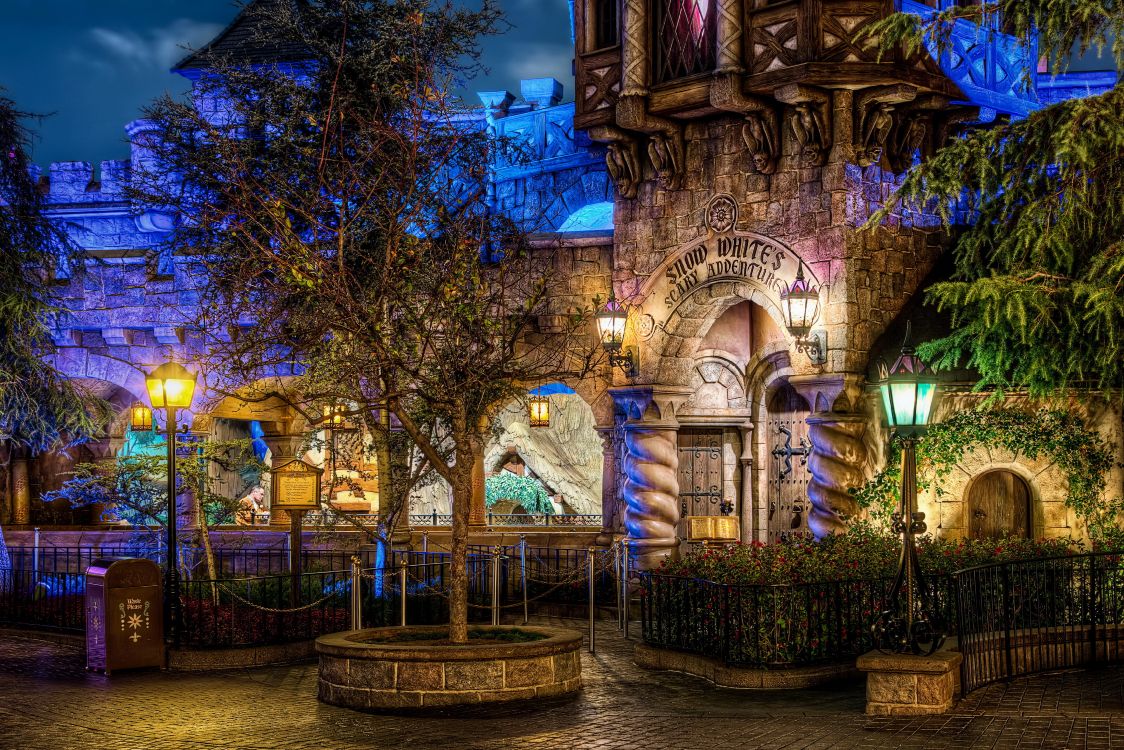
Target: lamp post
[
  {"x": 171, "y": 386},
  {"x": 611, "y": 320},
  {"x": 908, "y": 391},
  {"x": 800, "y": 304}
]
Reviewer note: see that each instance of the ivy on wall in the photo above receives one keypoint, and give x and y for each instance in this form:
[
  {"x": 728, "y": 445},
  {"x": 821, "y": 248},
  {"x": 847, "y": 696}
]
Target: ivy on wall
[
  {"x": 1059, "y": 436},
  {"x": 521, "y": 490}
]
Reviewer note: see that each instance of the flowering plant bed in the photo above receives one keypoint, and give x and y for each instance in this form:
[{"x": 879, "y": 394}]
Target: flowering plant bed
[{"x": 859, "y": 553}]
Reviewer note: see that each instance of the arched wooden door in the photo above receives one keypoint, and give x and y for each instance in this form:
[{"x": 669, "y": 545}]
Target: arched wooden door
[
  {"x": 788, "y": 449},
  {"x": 998, "y": 504}
]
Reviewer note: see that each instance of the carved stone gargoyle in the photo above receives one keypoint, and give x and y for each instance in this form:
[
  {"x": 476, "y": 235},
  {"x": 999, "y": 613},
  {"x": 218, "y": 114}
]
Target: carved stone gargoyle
[
  {"x": 809, "y": 121},
  {"x": 667, "y": 148},
  {"x": 759, "y": 132},
  {"x": 622, "y": 158},
  {"x": 913, "y": 128},
  {"x": 874, "y": 119}
]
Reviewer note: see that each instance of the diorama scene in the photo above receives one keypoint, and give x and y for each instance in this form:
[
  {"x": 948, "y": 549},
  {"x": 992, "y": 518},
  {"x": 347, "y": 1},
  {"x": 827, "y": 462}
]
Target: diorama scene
[{"x": 562, "y": 374}]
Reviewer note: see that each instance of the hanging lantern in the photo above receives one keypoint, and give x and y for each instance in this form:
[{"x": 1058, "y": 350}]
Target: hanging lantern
[
  {"x": 538, "y": 411},
  {"x": 800, "y": 304},
  {"x": 334, "y": 416},
  {"x": 908, "y": 390},
  {"x": 611, "y": 322},
  {"x": 140, "y": 417}
]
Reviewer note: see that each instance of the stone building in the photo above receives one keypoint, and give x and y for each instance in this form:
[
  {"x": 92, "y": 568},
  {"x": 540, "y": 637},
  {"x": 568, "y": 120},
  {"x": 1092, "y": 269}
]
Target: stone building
[{"x": 716, "y": 152}]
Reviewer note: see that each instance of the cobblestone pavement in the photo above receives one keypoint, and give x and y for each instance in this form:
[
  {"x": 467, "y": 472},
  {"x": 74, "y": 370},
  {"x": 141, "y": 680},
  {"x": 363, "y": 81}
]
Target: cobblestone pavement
[{"x": 48, "y": 702}]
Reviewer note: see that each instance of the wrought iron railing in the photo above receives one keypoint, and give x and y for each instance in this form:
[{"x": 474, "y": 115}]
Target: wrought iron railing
[
  {"x": 562, "y": 520},
  {"x": 776, "y": 626},
  {"x": 1028, "y": 616},
  {"x": 262, "y": 610},
  {"x": 53, "y": 601}
]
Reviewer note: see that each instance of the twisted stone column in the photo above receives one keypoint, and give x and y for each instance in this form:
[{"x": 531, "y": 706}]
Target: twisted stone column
[
  {"x": 837, "y": 464},
  {"x": 651, "y": 470},
  {"x": 651, "y": 492},
  {"x": 838, "y": 460}
]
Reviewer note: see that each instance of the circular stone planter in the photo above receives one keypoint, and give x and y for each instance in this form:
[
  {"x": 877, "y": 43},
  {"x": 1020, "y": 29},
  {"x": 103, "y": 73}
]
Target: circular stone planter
[{"x": 407, "y": 675}]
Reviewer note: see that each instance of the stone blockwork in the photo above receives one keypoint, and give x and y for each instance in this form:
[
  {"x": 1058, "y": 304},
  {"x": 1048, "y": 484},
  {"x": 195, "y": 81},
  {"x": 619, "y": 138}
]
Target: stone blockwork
[
  {"x": 359, "y": 674},
  {"x": 908, "y": 685}
]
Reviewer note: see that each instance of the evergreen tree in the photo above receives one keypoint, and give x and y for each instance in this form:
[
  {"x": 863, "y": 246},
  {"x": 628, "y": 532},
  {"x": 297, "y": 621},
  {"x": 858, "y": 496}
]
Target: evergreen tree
[
  {"x": 1037, "y": 297},
  {"x": 39, "y": 408}
]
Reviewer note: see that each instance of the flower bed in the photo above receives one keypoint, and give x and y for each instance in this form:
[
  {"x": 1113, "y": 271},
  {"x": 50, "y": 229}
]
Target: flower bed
[
  {"x": 860, "y": 553},
  {"x": 803, "y": 603}
]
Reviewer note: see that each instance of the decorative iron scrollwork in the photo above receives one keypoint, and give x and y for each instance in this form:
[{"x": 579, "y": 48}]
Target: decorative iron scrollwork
[{"x": 787, "y": 451}]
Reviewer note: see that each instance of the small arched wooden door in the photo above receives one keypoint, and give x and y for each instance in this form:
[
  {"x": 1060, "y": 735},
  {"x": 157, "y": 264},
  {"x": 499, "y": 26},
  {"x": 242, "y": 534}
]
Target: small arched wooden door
[{"x": 999, "y": 504}]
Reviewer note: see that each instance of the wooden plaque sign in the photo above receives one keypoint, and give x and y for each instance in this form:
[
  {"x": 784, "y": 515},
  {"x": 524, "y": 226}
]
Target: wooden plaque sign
[{"x": 295, "y": 486}]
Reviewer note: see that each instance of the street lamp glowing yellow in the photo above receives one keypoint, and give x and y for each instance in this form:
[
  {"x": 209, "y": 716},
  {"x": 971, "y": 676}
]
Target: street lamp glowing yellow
[{"x": 171, "y": 385}]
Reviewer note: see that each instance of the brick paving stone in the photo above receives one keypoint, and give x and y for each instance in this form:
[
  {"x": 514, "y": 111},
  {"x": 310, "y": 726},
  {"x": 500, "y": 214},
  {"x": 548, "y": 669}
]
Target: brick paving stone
[{"x": 48, "y": 702}]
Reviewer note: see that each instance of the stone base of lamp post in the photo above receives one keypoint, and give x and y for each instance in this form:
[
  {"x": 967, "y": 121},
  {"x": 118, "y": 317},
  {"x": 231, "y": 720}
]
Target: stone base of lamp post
[{"x": 908, "y": 685}]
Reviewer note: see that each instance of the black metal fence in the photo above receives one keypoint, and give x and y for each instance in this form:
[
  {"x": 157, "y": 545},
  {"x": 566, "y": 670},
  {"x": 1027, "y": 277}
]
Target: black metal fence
[
  {"x": 563, "y": 520},
  {"x": 1018, "y": 618},
  {"x": 788, "y": 625},
  {"x": 54, "y": 601},
  {"x": 230, "y": 562},
  {"x": 260, "y": 610}
]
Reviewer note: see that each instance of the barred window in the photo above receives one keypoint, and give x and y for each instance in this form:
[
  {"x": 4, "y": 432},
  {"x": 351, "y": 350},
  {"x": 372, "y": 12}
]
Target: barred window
[
  {"x": 606, "y": 29},
  {"x": 684, "y": 38}
]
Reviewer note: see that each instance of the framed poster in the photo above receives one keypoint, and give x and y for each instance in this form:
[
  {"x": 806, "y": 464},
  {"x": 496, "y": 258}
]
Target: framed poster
[{"x": 295, "y": 485}]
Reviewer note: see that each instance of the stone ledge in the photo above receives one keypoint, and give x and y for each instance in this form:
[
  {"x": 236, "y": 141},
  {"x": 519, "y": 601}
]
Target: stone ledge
[
  {"x": 189, "y": 660},
  {"x": 742, "y": 678},
  {"x": 401, "y": 676}
]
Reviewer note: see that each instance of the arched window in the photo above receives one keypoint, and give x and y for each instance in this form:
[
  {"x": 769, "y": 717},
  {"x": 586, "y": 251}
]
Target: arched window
[{"x": 684, "y": 38}]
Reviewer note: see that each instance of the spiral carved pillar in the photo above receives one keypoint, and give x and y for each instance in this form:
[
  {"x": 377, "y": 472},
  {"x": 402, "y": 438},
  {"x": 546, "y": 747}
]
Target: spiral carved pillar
[
  {"x": 837, "y": 465},
  {"x": 651, "y": 471},
  {"x": 838, "y": 462}
]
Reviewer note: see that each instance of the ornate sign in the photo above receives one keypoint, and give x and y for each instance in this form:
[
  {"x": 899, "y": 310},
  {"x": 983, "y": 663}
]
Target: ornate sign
[
  {"x": 725, "y": 254},
  {"x": 295, "y": 486}
]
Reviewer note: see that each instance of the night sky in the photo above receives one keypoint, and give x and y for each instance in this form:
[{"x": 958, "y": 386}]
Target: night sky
[{"x": 92, "y": 64}]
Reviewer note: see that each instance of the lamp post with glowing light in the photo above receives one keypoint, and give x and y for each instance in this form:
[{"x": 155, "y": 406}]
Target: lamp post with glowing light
[
  {"x": 908, "y": 391},
  {"x": 140, "y": 418},
  {"x": 611, "y": 320},
  {"x": 800, "y": 303},
  {"x": 171, "y": 386}
]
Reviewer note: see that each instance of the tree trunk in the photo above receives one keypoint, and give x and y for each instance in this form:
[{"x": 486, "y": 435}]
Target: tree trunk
[{"x": 458, "y": 568}]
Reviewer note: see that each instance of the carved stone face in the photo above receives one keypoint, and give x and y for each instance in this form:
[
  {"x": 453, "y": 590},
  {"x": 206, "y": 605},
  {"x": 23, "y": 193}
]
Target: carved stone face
[{"x": 762, "y": 163}]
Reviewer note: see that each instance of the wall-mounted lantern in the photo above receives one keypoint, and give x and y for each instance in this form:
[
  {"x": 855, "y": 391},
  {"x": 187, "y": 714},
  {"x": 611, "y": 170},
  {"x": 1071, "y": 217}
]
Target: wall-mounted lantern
[
  {"x": 611, "y": 321},
  {"x": 140, "y": 418},
  {"x": 538, "y": 410},
  {"x": 800, "y": 303},
  {"x": 335, "y": 416}
]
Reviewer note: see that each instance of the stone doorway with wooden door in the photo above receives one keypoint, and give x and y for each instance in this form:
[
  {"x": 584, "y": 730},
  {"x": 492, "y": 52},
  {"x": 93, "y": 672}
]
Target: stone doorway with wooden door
[
  {"x": 787, "y": 449},
  {"x": 701, "y": 473},
  {"x": 999, "y": 505}
]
